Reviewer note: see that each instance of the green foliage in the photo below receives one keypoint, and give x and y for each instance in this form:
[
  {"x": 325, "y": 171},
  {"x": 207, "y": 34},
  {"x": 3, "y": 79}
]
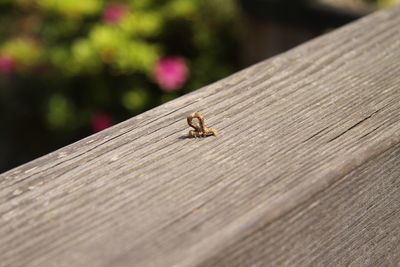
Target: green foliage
[
  {"x": 91, "y": 57},
  {"x": 136, "y": 99},
  {"x": 25, "y": 51},
  {"x": 78, "y": 39},
  {"x": 60, "y": 112},
  {"x": 180, "y": 8},
  {"x": 142, "y": 24},
  {"x": 71, "y": 8}
]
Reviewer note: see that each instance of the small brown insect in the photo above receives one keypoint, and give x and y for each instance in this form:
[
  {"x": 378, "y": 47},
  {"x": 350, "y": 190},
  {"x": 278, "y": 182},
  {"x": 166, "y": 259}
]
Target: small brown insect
[{"x": 199, "y": 130}]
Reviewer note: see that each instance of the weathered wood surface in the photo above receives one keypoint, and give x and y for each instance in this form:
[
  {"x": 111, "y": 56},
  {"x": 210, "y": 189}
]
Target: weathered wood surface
[{"x": 305, "y": 171}]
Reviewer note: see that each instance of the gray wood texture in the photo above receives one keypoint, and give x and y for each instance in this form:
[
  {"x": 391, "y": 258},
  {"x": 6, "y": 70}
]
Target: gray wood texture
[{"x": 304, "y": 171}]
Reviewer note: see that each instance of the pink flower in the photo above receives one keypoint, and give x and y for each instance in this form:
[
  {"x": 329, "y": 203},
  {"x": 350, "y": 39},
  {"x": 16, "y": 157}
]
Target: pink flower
[
  {"x": 7, "y": 64},
  {"x": 171, "y": 73},
  {"x": 100, "y": 121},
  {"x": 114, "y": 12}
]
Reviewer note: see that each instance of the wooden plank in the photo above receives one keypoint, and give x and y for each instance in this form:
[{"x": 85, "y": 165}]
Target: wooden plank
[
  {"x": 354, "y": 222},
  {"x": 300, "y": 136}
]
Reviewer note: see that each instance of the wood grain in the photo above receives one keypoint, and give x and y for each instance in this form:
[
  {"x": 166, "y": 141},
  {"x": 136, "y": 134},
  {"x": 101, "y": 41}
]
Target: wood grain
[
  {"x": 304, "y": 170},
  {"x": 354, "y": 222}
]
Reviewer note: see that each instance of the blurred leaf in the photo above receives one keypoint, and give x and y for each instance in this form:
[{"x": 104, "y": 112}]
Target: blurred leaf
[
  {"x": 59, "y": 29},
  {"x": 106, "y": 37},
  {"x": 60, "y": 58},
  {"x": 202, "y": 37},
  {"x": 142, "y": 23},
  {"x": 135, "y": 100},
  {"x": 60, "y": 112},
  {"x": 141, "y": 4},
  {"x": 72, "y": 8},
  {"x": 136, "y": 56},
  {"x": 25, "y": 51},
  {"x": 85, "y": 57},
  {"x": 220, "y": 10},
  {"x": 180, "y": 8}
]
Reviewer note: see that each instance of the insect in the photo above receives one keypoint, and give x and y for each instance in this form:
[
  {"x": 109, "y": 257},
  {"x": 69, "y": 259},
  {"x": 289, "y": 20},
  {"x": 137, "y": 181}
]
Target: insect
[{"x": 199, "y": 130}]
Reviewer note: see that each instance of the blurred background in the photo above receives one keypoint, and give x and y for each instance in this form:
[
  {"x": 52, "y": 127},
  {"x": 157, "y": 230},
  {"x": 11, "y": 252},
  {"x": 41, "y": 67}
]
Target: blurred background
[{"x": 70, "y": 68}]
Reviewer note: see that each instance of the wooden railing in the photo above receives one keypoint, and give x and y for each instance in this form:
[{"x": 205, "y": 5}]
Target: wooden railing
[{"x": 304, "y": 171}]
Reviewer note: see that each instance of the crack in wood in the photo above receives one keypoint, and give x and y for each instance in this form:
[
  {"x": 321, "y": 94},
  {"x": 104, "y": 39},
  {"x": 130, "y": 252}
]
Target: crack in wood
[
  {"x": 354, "y": 126},
  {"x": 316, "y": 134}
]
